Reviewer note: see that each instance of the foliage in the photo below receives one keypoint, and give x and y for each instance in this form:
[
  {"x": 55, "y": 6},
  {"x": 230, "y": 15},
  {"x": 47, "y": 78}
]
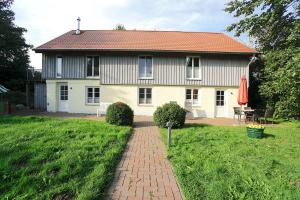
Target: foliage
[
  {"x": 14, "y": 58},
  {"x": 119, "y": 114},
  {"x": 275, "y": 28},
  {"x": 41, "y": 157},
  {"x": 214, "y": 162},
  {"x": 272, "y": 24},
  {"x": 256, "y": 100},
  {"x": 169, "y": 112},
  {"x": 15, "y": 97},
  {"x": 282, "y": 75},
  {"x": 120, "y": 27}
]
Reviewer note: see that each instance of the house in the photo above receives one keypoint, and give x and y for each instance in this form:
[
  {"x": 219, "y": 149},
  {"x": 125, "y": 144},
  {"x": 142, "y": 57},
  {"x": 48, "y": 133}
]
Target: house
[{"x": 200, "y": 71}]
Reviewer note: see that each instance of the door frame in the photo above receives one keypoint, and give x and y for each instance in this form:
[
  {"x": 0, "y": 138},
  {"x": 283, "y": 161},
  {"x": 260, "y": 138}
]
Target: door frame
[
  {"x": 225, "y": 115},
  {"x": 58, "y": 96}
]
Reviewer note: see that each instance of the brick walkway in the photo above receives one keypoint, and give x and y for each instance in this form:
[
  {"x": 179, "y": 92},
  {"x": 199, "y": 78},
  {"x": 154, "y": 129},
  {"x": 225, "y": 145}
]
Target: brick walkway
[{"x": 144, "y": 172}]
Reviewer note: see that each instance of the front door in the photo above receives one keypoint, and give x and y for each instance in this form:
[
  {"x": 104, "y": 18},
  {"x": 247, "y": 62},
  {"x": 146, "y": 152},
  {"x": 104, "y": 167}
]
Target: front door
[
  {"x": 220, "y": 103},
  {"x": 63, "y": 98}
]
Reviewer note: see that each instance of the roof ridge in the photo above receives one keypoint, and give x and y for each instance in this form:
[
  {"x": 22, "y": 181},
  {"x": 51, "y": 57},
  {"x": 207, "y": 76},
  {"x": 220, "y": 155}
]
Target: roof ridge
[{"x": 153, "y": 31}]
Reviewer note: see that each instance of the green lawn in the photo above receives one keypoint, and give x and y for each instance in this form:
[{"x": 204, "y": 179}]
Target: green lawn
[
  {"x": 214, "y": 162},
  {"x": 51, "y": 158}
]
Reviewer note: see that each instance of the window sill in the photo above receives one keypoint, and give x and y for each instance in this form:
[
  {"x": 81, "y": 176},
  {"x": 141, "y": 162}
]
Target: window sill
[
  {"x": 146, "y": 105},
  {"x": 194, "y": 79},
  {"x": 146, "y": 78},
  {"x": 92, "y": 104},
  {"x": 93, "y": 77}
]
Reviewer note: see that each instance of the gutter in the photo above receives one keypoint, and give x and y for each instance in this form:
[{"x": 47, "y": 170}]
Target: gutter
[{"x": 41, "y": 50}]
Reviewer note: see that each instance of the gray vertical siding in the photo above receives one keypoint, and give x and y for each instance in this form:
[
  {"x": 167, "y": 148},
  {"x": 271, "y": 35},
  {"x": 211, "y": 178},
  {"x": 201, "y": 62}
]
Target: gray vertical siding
[
  {"x": 167, "y": 70},
  {"x": 72, "y": 67},
  {"x": 172, "y": 71},
  {"x": 48, "y": 68},
  {"x": 40, "y": 99}
]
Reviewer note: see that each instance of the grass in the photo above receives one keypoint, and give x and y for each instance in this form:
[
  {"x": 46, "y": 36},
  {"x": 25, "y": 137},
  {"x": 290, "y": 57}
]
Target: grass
[
  {"x": 214, "y": 162},
  {"x": 51, "y": 158}
]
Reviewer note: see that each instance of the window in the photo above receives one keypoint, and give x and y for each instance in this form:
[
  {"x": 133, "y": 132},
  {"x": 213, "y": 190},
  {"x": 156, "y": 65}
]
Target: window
[
  {"x": 192, "y": 96},
  {"x": 220, "y": 98},
  {"x": 93, "y": 95},
  {"x": 145, "y": 95},
  {"x": 58, "y": 66},
  {"x": 193, "y": 68},
  {"x": 92, "y": 66},
  {"x": 63, "y": 92},
  {"x": 145, "y": 67}
]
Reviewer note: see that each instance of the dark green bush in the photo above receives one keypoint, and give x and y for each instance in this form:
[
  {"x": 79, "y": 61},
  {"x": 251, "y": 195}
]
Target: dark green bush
[
  {"x": 170, "y": 112},
  {"x": 119, "y": 114}
]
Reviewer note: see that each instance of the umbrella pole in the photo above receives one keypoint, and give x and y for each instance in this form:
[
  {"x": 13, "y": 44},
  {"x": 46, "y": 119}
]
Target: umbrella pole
[{"x": 241, "y": 114}]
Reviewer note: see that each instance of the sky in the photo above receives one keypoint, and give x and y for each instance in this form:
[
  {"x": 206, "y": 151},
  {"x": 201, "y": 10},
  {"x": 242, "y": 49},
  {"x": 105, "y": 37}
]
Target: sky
[{"x": 47, "y": 19}]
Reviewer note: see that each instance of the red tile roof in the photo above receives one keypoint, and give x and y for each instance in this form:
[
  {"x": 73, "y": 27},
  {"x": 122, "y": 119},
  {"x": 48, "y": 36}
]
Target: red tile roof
[{"x": 134, "y": 40}]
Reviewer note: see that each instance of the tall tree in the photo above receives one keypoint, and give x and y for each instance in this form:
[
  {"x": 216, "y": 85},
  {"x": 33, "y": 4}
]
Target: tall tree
[
  {"x": 14, "y": 58},
  {"x": 275, "y": 27},
  {"x": 120, "y": 27}
]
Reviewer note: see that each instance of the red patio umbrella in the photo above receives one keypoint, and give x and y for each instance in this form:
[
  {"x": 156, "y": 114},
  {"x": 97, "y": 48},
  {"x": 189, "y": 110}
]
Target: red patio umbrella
[{"x": 242, "y": 98}]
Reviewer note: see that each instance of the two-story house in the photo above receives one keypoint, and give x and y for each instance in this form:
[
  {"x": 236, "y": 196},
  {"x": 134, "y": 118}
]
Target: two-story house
[{"x": 200, "y": 71}]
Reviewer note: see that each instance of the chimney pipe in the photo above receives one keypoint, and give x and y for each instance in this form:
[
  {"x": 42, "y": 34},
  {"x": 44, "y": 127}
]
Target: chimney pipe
[{"x": 78, "y": 26}]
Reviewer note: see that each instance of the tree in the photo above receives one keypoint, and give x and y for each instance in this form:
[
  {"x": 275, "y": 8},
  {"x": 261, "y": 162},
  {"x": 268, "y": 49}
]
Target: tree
[
  {"x": 14, "y": 58},
  {"x": 275, "y": 28},
  {"x": 120, "y": 27}
]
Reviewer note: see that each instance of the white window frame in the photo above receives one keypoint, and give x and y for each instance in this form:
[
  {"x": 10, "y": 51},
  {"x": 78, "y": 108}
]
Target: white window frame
[
  {"x": 193, "y": 66},
  {"x": 58, "y": 68},
  {"x": 145, "y": 98},
  {"x": 93, "y": 66},
  {"x": 224, "y": 97},
  {"x": 145, "y": 77},
  {"x": 63, "y": 92},
  {"x": 191, "y": 101},
  {"x": 93, "y": 98}
]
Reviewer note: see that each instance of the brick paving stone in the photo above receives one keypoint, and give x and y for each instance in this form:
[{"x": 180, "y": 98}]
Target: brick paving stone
[{"x": 144, "y": 172}]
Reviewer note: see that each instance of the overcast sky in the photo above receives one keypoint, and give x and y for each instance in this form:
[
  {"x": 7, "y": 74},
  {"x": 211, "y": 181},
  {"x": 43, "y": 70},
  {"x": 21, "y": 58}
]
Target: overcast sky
[{"x": 47, "y": 19}]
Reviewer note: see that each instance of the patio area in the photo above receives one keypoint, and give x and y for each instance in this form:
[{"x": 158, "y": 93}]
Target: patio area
[{"x": 210, "y": 121}]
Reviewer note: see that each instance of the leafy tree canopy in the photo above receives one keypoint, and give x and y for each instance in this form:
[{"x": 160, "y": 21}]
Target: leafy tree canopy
[
  {"x": 120, "y": 27},
  {"x": 274, "y": 25},
  {"x": 14, "y": 59}
]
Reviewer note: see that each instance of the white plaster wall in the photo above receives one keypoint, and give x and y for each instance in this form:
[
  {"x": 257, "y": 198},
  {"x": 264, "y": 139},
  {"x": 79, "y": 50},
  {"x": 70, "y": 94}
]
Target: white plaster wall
[{"x": 129, "y": 95}]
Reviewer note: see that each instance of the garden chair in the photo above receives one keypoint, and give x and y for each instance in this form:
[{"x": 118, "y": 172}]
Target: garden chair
[
  {"x": 238, "y": 112},
  {"x": 249, "y": 116}
]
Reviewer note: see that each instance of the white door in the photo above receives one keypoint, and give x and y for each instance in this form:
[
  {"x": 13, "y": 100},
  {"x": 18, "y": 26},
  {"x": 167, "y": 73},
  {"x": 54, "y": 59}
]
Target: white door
[
  {"x": 63, "y": 98},
  {"x": 220, "y": 103}
]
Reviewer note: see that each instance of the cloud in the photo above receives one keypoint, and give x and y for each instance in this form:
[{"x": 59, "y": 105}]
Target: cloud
[{"x": 48, "y": 19}]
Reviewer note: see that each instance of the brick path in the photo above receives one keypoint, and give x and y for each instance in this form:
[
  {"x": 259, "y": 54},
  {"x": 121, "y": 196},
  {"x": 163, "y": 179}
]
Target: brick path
[{"x": 144, "y": 172}]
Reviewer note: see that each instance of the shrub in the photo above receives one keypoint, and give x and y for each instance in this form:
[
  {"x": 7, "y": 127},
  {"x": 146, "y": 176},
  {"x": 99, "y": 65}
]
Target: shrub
[
  {"x": 170, "y": 112},
  {"x": 119, "y": 114}
]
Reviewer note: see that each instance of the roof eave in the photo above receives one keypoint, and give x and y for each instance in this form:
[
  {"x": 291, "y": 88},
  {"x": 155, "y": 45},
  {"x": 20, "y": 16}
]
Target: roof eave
[{"x": 44, "y": 50}]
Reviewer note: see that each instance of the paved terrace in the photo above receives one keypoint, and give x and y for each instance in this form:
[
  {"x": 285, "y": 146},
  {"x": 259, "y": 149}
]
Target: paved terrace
[{"x": 211, "y": 121}]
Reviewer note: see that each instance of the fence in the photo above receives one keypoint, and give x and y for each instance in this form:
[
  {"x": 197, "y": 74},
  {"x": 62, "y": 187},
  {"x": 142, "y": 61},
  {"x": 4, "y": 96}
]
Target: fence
[{"x": 40, "y": 99}]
